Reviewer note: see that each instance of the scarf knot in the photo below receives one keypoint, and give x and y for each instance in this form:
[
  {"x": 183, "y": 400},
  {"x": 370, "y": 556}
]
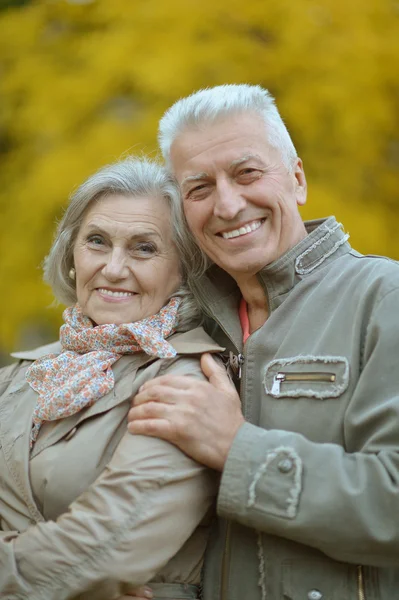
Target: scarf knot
[{"x": 82, "y": 373}]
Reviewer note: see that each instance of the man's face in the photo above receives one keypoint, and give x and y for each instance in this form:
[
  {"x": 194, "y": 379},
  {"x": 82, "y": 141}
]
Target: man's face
[{"x": 240, "y": 201}]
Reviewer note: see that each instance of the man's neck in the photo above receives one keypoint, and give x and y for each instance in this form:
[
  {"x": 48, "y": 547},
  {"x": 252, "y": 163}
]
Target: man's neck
[{"x": 255, "y": 297}]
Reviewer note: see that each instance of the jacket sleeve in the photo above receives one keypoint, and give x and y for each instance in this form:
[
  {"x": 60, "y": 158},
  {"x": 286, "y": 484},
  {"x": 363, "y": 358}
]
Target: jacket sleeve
[
  {"x": 123, "y": 529},
  {"x": 344, "y": 502}
]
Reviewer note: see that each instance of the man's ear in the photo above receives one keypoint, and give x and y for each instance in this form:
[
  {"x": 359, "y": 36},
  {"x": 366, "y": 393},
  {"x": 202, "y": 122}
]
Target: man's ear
[{"x": 301, "y": 185}]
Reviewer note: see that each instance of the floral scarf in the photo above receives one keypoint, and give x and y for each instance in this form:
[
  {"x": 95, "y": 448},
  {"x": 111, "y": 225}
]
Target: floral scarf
[{"x": 81, "y": 374}]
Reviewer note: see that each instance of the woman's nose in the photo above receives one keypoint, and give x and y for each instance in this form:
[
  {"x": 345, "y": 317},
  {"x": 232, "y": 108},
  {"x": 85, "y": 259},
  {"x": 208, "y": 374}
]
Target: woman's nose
[{"x": 115, "y": 267}]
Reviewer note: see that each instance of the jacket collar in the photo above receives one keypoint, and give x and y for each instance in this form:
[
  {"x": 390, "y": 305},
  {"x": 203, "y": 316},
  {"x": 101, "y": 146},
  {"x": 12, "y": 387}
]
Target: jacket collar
[
  {"x": 195, "y": 341},
  {"x": 191, "y": 342},
  {"x": 14, "y": 432},
  {"x": 54, "y": 348},
  {"x": 219, "y": 294},
  {"x": 21, "y": 401},
  {"x": 325, "y": 242}
]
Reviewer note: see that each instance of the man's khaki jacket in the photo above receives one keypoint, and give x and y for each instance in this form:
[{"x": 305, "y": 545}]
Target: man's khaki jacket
[
  {"x": 309, "y": 497},
  {"x": 93, "y": 507}
]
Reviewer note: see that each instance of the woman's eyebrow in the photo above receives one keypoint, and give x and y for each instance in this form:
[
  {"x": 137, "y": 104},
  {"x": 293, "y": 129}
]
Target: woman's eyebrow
[
  {"x": 142, "y": 233},
  {"x": 145, "y": 233},
  {"x": 91, "y": 227}
]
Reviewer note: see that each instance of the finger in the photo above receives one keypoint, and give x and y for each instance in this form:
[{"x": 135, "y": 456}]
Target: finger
[
  {"x": 159, "y": 428},
  {"x": 130, "y": 595},
  {"x": 181, "y": 382},
  {"x": 158, "y": 393},
  {"x": 215, "y": 373},
  {"x": 142, "y": 593},
  {"x": 147, "y": 395},
  {"x": 150, "y": 410}
]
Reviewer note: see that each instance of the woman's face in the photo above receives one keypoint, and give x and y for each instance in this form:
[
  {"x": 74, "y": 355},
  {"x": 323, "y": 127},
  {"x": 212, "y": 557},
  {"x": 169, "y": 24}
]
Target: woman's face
[{"x": 126, "y": 263}]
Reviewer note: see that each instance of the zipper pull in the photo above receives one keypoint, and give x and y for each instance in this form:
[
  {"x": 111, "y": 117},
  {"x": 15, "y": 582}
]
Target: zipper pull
[
  {"x": 240, "y": 360},
  {"x": 236, "y": 362},
  {"x": 278, "y": 378}
]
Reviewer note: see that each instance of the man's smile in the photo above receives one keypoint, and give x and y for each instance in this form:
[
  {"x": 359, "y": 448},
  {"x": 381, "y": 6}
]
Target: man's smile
[{"x": 243, "y": 230}]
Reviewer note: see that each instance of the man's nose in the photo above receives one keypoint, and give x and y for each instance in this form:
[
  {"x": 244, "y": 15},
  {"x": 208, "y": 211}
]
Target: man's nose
[
  {"x": 115, "y": 267},
  {"x": 229, "y": 201}
]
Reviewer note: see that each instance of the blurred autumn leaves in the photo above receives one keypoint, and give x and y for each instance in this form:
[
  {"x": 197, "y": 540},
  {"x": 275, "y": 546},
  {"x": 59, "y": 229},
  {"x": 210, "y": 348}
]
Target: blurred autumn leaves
[{"x": 84, "y": 82}]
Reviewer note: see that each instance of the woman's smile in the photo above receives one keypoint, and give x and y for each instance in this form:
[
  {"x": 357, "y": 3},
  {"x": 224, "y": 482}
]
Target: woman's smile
[
  {"x": 127, "y": 266},
  {"x": 118, "y": 295}
]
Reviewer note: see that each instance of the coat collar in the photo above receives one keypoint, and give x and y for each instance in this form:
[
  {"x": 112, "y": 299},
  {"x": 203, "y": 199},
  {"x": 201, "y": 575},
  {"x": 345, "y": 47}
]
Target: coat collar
[
  {"x": 191, "y": 342},
  {"x": 195, "y": 341},
  {"x": 125, "y": 369},
  {"x": 20, "y": 401},
  {"x": 219, "y": 295}
]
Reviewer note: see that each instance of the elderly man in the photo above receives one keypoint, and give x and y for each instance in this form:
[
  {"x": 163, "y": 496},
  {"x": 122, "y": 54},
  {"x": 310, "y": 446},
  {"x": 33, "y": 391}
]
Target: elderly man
[{"x": 308, "y": 506}]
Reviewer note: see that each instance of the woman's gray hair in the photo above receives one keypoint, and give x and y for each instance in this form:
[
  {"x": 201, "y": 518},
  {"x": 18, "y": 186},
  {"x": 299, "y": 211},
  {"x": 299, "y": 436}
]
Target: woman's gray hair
[
  {"x": 136, "y": 177},
  {"x": 207, "y": 106},
  {"x": 220, "y": 101}
]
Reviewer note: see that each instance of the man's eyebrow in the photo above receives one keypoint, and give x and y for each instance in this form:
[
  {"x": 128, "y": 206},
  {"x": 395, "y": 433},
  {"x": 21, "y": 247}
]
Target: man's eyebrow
[
  {"x": 196, "y": 177},
  {"x": 244, "y": 159},
  {"x": 235, "y": 163}
]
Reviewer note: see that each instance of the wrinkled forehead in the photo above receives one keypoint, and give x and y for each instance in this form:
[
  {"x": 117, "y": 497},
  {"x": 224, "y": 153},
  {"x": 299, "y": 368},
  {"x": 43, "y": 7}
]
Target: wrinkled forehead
[{"x": 221, "y": 143}]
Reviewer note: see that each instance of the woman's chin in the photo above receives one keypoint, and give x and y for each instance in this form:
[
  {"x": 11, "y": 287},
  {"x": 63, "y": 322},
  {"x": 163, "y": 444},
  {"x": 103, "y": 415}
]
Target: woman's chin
[
  {"x": 112, "y": 320},
  {"x": 112, "y": 313}
]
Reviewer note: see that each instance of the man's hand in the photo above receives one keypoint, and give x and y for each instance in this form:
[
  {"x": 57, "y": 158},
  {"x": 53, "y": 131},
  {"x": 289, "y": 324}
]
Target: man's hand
[
  {"x": 200, "y": 417},
  {"x": 141, "y": 593}
]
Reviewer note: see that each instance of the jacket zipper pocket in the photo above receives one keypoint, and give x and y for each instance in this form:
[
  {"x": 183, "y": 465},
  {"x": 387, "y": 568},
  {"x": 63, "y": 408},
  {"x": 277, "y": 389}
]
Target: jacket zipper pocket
[
  {"x": 279, "y": 378},
  {"x": 360, "y": 583}
]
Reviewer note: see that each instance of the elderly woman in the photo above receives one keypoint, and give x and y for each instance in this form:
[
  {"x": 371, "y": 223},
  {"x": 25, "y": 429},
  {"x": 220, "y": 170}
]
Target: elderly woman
[{"x": 86, "y": 509}]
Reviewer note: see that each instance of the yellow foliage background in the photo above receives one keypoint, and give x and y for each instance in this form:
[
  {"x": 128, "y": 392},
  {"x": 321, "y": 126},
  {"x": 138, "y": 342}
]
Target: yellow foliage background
[{"x": 83, "y": 82}]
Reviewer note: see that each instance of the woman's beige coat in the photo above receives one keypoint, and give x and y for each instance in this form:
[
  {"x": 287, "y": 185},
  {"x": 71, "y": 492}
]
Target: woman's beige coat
[{"x": 94, "y": 510}]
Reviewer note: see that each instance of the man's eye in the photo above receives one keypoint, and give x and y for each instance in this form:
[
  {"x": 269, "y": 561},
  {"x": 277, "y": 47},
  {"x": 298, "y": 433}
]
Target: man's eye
[
  {"x": 248, "y": 175},
  {"x": 198, "y": 191},
  {"x": 248, "y": 172}
]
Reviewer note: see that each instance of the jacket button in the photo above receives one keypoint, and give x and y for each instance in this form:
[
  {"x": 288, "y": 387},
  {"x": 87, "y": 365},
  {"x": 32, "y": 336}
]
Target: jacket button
[
  {"x": 284, "y": 466},
  {"x": 315, "y": 595},
  {"x": 70, "y": 434}
]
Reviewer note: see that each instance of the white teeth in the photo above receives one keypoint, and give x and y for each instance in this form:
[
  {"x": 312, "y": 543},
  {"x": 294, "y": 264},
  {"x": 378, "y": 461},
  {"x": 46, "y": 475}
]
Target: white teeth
[
  {"x": 114, "y": 294},
  {"x": 245, "y": 229}
]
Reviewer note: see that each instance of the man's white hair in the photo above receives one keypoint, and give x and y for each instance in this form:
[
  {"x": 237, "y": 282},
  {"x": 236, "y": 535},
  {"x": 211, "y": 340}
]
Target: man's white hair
[{"x": 218, "y": 102}]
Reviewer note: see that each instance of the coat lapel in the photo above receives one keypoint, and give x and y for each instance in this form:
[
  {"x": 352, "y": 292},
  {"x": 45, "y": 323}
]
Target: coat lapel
[
  {"x": 16, "y": 431},
  {"x": 125, "y": 370},
  {"x": 15, "y": 424}
]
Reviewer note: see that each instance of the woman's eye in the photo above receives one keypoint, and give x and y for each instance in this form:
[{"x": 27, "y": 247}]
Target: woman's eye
[
  {"x": 146, "y": 248},
  {"x": 96, "y": 240}
]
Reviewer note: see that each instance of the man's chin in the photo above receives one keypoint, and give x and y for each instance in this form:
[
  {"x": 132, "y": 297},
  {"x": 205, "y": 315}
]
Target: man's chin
[{"x": 241, "y": 268}]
